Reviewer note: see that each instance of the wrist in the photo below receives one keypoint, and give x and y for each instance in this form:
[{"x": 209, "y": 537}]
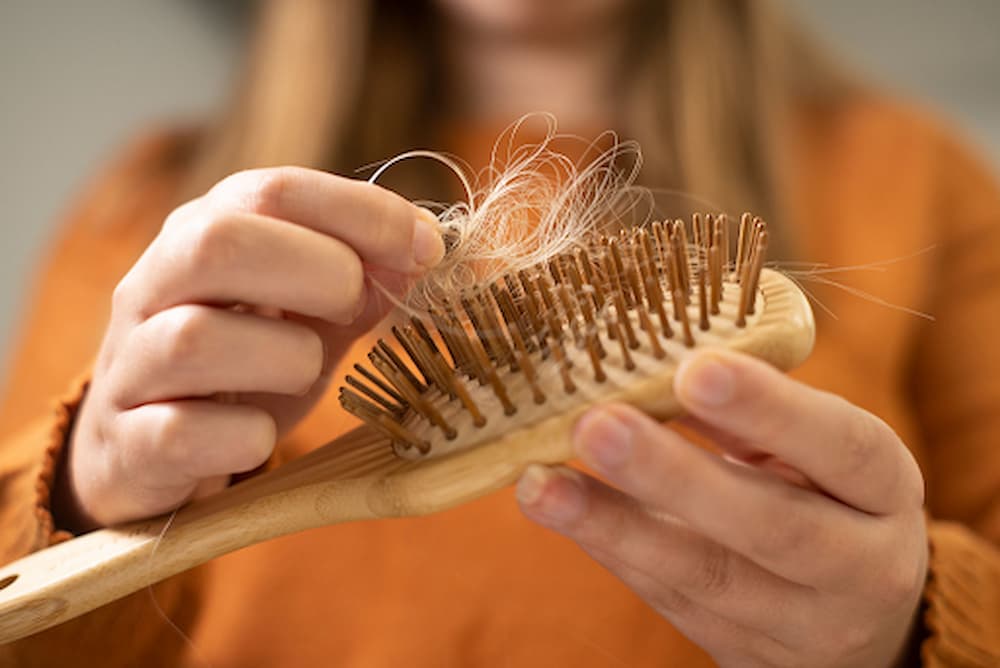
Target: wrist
[{"x": 67, "y": 507}]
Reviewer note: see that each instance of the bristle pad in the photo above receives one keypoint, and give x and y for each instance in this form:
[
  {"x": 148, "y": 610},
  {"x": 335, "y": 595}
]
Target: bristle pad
[{"x": 574, "y": 331}]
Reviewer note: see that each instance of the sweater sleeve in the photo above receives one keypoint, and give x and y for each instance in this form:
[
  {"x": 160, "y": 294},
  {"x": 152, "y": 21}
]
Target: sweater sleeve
[
  {"x": 64, "y": 322},
  {"x": 956, "y": 385}
]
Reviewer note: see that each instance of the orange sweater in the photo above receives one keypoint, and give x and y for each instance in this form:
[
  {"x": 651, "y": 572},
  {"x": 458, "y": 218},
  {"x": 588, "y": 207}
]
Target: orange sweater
[{"x": 480, "y": 585}]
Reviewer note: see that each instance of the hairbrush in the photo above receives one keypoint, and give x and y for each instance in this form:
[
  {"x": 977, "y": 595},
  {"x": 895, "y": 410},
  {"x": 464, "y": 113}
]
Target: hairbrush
[{"x": 460, "y": 400}]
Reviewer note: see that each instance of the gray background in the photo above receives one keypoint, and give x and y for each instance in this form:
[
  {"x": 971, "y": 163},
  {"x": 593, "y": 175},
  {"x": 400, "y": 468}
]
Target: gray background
[{"x": 77, "y": 78}]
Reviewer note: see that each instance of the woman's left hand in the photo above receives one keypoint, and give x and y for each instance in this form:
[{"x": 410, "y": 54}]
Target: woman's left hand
[{"x": 805, "y": 546}]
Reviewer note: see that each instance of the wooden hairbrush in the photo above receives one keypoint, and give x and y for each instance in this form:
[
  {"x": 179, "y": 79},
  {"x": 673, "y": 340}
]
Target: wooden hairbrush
[{"x": 472, "y": 394}]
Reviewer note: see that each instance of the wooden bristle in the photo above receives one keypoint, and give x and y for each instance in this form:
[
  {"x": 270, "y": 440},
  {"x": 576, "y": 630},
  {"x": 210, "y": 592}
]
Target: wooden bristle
[
  {"x": 614, "y": 323},
  {"x": 417, "y": 357},
  {"x": 595, "y": 353},
  {"x": 682, "y": 255},
  {"x": 560, "y": 354},
  {"x": 683, "y": 315},
  {"x": 499, "y": 389},
  {"x": 569, "y": 310},
  {"x": 380, "y": 384},
  {"x": 616, "y": 291},
  {"x": 758, "y": 263},
  {"x": 702, "y": 297},
  {"x": 620, "y": 273},
  {"x": 400, "y": 365},
  {"x": 533, "y": 310},
  {"x": 384, "y": 403},
  {"x": 583, "y": 257},
  {"x": 527, "y": 367},
  {"x": 647, "y": 325},
  {"x": 358, "y": 405},
  {"x": 741, "y": 244},
  {"x": 720, "y": 239},
  {"x": 714, "y": 279},
  {"x": 655, "y": 291}
]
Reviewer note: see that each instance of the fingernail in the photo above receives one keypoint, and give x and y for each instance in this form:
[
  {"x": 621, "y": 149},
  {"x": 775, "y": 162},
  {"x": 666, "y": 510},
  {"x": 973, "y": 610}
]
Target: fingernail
[
  {"x": 428, "y": 246},
  {"x": 706, "y": 379},
  {"x": 604, "y": 439},
  {"x": 531, "y": 484},
  {"x": 552, "y": 496}
]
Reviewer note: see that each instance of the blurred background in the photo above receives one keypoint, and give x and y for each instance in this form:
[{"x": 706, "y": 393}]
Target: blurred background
[{"x": 78, "y": 78}]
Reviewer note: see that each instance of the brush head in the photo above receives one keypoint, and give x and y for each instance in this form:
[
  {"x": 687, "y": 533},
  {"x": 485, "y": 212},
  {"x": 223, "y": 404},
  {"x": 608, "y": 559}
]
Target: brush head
[{"x": 609, "y": 320}]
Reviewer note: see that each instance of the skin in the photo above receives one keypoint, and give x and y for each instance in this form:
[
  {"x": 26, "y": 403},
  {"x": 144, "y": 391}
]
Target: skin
[
  {"x": 806, "y": 544},
  {"x": 191, "y": 385},
  {"x": 503, "y": 57},
  {"x": 803, "y": 544}
]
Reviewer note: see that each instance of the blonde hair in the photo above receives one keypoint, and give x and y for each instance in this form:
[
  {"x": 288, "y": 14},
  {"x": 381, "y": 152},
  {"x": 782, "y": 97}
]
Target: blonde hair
[{"x": 709, "y": 89}]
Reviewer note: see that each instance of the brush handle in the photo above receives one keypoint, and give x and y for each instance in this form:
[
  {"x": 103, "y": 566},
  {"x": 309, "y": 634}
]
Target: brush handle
[
  {"x": 76, "y": 576},
  {"x": 355, "y": 477}
]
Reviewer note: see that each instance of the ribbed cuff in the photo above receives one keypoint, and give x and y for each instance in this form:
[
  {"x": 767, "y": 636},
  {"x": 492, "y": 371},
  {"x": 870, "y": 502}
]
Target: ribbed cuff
[
  {"x": 65, "y": 410},
  {"x": 962, "y": 599}
]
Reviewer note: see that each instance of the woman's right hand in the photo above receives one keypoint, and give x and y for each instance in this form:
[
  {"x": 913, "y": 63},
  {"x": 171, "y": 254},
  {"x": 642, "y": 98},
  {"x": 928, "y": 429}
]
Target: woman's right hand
[{"x": 224, "y": 333}]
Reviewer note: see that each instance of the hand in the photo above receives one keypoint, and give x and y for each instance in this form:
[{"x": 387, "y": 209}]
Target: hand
[
  {"x": 805, "y": 545},
  {"x": 223, "y": 334}
]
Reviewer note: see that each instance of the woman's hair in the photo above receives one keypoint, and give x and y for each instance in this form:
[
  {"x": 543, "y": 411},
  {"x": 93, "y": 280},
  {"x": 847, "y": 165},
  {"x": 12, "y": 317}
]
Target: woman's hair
[{"x": 707, "y": 90}]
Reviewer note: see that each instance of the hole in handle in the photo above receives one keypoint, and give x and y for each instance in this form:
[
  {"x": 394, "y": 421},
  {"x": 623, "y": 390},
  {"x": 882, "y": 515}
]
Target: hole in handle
[{"x": 7, "y": 581}]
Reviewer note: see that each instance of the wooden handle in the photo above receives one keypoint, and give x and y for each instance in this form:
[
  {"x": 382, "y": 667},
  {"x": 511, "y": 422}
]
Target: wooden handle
[{"x": 74, "y": 577}]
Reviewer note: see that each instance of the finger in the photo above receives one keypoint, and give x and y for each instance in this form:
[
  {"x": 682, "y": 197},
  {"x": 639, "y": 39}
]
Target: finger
[
  {"x": 197, "y": 351},
  {"x": 726, "y": 641},
  {"x": 382, "y": 227},
  {"x": 246, "y": 258},
  {"x": 172, "y": 446},
  {"x": 736, "y": 449},
  {"x": 797, "y": 534},
  {"x": 846, "y": 451},
  {"x": 606, "y": 522},
  {"x": 384, "y": 291},
  {"x": 197, "y": 439}
]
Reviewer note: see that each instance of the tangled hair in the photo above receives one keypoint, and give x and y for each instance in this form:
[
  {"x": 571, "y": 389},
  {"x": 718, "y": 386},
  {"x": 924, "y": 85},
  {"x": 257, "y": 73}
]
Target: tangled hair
[{"x": 529, "y": 204}]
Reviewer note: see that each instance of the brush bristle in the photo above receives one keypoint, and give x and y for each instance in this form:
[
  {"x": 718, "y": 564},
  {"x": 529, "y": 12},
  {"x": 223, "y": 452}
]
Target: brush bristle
[{"x": 545, "y": 331}]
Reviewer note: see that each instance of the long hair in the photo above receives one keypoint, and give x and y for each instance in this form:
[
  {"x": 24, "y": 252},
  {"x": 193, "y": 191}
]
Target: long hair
[{"x": 709, "y": 88}]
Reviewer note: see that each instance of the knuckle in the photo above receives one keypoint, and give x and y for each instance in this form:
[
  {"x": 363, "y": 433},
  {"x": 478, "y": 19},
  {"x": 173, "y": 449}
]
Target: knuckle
[
  {"x": 312, "y": 358},
  {"x": 714, "y": 575},
  {"x": 180, "y": 216},
  {"x": 183, "y": 332},
  {"x": 267, "y": 189},
  {"x": 169, "y": 437},
  {"x": 390, "y": 225},
  {"x": 871, "y": 450},
  {"x": 794, "y": 534},
  {"x": 672, "y": 602},
  {"x": 351, "y": 282},
  {"x": 257, "y": 190},
  {"x": 122, "y": 297},
  {"x": 861, "y": 441},
  {"x": 260, "y": 441},
  {"x": 379, "y": 209},
  {"x": 304, "y": 363},
  {"x": 214, "y": 242}
]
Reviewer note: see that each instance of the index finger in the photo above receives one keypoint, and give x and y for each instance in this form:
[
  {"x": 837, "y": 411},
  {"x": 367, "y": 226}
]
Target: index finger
[
  {"x": 846, "y": 451},
  {"x": 382, "y": 227}
]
